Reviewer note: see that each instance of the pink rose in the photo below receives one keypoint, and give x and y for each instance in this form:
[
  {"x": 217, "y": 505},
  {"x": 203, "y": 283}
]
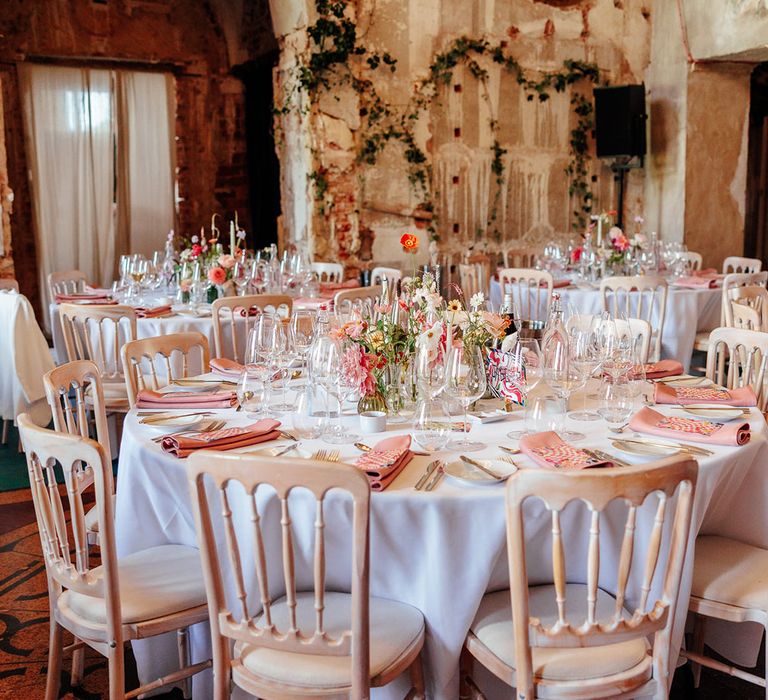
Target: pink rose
[
  {"x": 217, "y": 275},
  {"x": 227, "y": 261}
]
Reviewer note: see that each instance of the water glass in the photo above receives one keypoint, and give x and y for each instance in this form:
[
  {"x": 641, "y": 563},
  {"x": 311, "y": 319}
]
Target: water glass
[
  {"x": 616, "y": 403},
  {"x": 253, "y": 392}
]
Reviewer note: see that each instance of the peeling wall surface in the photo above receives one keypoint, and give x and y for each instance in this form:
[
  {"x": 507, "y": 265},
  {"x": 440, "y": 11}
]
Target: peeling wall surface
[{"x": 364, "y": 202}]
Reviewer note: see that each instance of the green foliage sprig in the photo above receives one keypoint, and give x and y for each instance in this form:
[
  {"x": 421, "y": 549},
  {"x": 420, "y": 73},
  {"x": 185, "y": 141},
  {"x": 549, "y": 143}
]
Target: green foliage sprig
[{"x": 336, "y": 52}]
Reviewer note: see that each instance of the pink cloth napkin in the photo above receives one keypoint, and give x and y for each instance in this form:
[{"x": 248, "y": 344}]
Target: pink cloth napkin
[
  {"x": 227, "y": 367},
  {"x": 185, "y": 399},
  {"x": 663, "y": 368},
  {"x": 152, "y": 312},
  {"x": 333, "y": 287},
  {"x": 707, "y": 272},
  {"x": 224, "y": 439},
  {"x": 557, "y": 284},
  {"x": 685, "y": 395},
  {"x": 549, "y": 450},
  {"x": 85, "y": 297},
  {"x": 386, "y": 460},
  {"x": 651, "y": 422},
  {"x": 695, "y": 282},
  {"x": 313, "y": 303}
]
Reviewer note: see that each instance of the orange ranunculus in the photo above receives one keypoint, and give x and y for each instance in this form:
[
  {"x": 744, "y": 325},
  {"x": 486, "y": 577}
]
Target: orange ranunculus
[
  {"x": 410, "y": 242},
  {"x": 217, "y": 275}
]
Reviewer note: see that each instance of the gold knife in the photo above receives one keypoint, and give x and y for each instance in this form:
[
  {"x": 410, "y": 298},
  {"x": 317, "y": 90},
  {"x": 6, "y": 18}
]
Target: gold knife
[
  {"x": 676, "y": 445},
  {"x": 481, "y": 467}
]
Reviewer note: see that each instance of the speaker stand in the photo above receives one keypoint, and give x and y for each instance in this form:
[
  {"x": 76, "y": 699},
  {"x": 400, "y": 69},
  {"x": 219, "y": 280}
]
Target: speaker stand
[{"x": 619, "y": 168}]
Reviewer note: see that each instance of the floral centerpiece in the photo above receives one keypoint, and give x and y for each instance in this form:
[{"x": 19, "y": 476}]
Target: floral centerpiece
[
  {"x": 210, "y": 253},
  {"x": 380, "y": 344}
]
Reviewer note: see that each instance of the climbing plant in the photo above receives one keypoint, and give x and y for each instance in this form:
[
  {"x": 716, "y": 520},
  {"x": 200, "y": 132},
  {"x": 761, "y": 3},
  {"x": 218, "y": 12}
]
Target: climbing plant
[{"x": 337, "y": 56}]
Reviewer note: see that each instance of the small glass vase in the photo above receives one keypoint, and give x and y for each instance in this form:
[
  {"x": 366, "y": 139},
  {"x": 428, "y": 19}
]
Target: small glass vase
[
  {"x": 392, "y": 380},
  {"x": 372, "y": 402}
]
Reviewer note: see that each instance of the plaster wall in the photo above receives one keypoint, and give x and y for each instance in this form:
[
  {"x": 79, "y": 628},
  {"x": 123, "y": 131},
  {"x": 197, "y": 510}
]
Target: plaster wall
[{"x": 366, "y": 209}]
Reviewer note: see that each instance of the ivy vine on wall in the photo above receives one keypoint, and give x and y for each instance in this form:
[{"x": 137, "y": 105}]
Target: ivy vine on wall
[{"x": 337, "y": 57}]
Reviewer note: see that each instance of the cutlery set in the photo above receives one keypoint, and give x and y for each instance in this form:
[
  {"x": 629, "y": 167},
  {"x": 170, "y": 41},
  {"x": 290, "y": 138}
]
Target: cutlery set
[
  {"x": 435, "y": 470},
  {"x": 209, "y": 427}
]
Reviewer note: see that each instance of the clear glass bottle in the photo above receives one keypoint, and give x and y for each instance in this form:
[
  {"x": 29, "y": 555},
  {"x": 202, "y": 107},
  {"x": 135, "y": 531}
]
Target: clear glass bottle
[{"x": 554, "y": 344}]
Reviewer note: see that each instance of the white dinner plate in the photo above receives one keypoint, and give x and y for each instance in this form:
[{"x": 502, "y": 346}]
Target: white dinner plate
[
  {"x": 644, "y": 449},
  {"x": 175, "y": 423},
  {"x": 713, "y": 411},
  {"x": 472, "y": 475}
]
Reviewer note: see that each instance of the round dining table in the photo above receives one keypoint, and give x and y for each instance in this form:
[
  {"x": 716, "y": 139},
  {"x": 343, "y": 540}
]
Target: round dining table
[
  {"x": 440, "y": 550},
  {"x": 688, "y": 312}
]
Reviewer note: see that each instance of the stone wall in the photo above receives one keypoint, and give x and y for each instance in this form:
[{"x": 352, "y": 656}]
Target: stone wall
[
  {"x": 366, "y": 209},
  {"x": 198, "y": 40}
]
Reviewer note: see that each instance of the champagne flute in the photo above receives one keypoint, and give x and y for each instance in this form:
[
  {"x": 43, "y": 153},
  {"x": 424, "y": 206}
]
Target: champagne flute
[{"x": 465, "y": 382}]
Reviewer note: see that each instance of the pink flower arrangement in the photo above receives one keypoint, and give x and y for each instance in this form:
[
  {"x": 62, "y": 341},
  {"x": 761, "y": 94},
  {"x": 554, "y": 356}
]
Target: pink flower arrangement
[
  {"x": 356, "y": 367},
  {"x": 217, "y": 275},
  {"x": 227, "y": 261}
]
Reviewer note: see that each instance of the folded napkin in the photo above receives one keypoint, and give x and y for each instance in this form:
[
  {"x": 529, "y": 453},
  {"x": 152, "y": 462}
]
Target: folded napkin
[
  {"x": 663, "y": 368},
  {"x": 707, "y": 272},
  {"x": 91, "y": 297},
  {"x": 338, "y": 286},
  {"x": 314, "y": 303},
  {"x": 227, "y": 367},
  {"x": 695, "y": 282},
  {"x": 651, "y": 422},
  {"x": 557, "y": 284},
  {"x": 224, "y": 439},
  {"x": 549, "y": 450},
  {"x": 185, "y": 399},
  {"x": 684, "y": 395},
  {"x": 386, "y": 460},
  {"x": 152, "y": 312}
]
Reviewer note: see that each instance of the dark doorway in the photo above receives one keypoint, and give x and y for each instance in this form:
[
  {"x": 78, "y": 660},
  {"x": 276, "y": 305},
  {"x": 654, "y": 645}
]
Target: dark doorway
[
  {"x": 756, "y": 220},
  {"x": 262, "y": 164}
]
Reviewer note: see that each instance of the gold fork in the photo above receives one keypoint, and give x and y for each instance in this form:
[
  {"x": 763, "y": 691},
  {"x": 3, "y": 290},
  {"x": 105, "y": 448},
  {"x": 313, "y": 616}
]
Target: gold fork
[
  {"x": 506, "y": 459},
  {"x": 333, "y": 456},
  {"x": 319, "y": 455}
]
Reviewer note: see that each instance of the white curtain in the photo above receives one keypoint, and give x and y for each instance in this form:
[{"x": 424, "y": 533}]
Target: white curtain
[
  {"x": 100, "y": 145},
  {"x": 145, "y": 160},
  {"x": 70, "y": 125}
]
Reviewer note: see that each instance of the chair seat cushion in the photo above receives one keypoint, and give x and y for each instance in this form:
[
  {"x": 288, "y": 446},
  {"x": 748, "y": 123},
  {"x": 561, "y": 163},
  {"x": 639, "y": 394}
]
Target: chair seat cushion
[
  {"x": 493, "y": 628},
  {"x": 92, "y": 516},
  {"x": 153, "y": 582},
  {"x": 702, "y": 341},
  {"x": 732, "y": 572},
  {"x": 394, "y": 628}
]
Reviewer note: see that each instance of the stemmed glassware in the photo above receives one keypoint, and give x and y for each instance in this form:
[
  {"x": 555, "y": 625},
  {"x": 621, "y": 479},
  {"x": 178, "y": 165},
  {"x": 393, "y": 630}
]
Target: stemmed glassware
[
  {"x": 584, "y": 357},
  {"x": 465, "y": 381},
  {"x": 303, "y": 330},
  {"x": 241, "y": 275},
  {"x": 253, "y": 391},
  {"x": 284, "y": 354},
  {"x": 137, "y": 271},
  {"x": 527, "y": 356},
  {"x": 563, "y": 378}
]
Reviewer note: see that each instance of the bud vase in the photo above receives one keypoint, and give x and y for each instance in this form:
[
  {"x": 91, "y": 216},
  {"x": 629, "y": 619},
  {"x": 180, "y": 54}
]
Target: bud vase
[{"x": 372, "y": 402}]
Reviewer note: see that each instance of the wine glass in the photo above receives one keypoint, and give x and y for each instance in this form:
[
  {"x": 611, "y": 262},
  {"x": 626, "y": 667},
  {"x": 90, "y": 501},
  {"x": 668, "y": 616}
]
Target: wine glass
[
  {"x": 307, "y": 419},
  {"x": 284, "y": 354},
  {"x": 241, "y": 275},
  {"x": 527, "y": 356},
  {"x": 430, "y": 371},
  {"x": 345, "y": 390},
  {"x": 324, "y": 365},
  {"x": 303, "y": 329},
  {"x": 431, "y": 425},
  {"x": 616, "y": 403},
  {"x": 138, "y": 268},
  {"x": 563, "y": 378},
  {"x": 585, "y": 359},
  {"x": 253, "y": 392},
  {"x": 260, "y": 343},
  {"x": 466, "y": 382}
]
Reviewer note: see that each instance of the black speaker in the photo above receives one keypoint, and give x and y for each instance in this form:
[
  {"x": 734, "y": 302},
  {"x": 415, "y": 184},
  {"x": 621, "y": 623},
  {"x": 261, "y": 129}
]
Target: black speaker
[{"x": 620, "y": 121}]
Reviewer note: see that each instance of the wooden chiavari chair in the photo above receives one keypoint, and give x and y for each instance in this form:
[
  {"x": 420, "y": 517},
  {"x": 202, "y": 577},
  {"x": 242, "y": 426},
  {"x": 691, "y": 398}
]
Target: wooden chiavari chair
[
  {"x": 360, "y": 301},
  {"x": 68, "y": 282},
  {"x": 144, "y": 594},
  {"x": 642, "y": 296},
  {"x": 531, "y": 290},
  {"x": 328, "y": 271},
  {"x": 391, "y": 273},
  {"x": 570, "y": 639},
  {"x": 310, "y": 642},
  {"x": 97, "y": 333},
  {"x": 146, "y": 354},
  {"x": 735, "y": 263},
  {"x": 235, "y": 317}
]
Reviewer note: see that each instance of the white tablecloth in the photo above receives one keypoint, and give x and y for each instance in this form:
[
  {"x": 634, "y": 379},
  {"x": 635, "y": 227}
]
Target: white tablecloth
[
  {"x": 438, "y": 551},
  {"x": 688, "y": 312}
]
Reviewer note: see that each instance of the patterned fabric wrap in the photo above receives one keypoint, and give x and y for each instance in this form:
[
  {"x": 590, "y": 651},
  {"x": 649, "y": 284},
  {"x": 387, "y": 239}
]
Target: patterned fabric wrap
[
  {"x": 566, "y": 456},
  {"x": 375, "y": 460},
  {"x": 506, "y": 377},
  {"x": 702, "y": 393},
  {"x": 689, "y": 425}
]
